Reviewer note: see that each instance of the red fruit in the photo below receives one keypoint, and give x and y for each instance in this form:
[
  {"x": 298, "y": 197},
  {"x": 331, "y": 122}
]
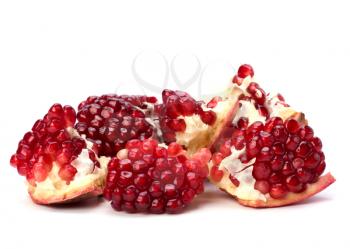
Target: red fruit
[{"x": 168, "y": 185}]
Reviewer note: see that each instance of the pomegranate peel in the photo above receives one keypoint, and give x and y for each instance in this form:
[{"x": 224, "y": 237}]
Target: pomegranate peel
[{"x": 292, "y": 198}]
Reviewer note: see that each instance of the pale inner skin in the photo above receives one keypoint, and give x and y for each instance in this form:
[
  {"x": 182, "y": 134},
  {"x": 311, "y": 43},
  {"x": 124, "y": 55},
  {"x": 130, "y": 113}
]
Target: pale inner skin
[
  {"x": 199, "y": 134},
  {"x": 231, "y": 164}
]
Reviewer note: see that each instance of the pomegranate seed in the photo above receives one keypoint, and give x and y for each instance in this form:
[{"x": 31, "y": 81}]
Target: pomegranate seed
[
  {"x": 214, "y": 101},
  {"x": 320, "y": 168},
  {"x": 276, "y": 177},
  {"x": 266, "y": 138},
  {"x": 225, "y": 148},
  {"x": 237, "y": 80},
  {"x": 242, "y": 123},
  {"x": 234, "y": 180},
  {"x": 252, "y": 149},
  {"x": 317, "y": 143},
  {"x": 255, "y": 128},
  {"x": 245, "y": 70},
  {"x": 187, "y": 196},
  {"x": 262, "y": 186},
  {"x": 174, "y": 206},
  {"x": 298, "y": 163},
  {"x": 67, "y": 173},
  {"x": 293, "y": 184},
  {"x": 272, "y": 122},
  {"x": 261, "y": 171},
  {"x": 177, "y": 125},
  {"x": 216, "y": 174},
  {"x": 217, "y": 158},
  {"x": 276, "y": 163},
  {"x": 174, "y": 149},
  {"x": 143, "y": 201},
  {"x": 292, "y": 143},
  {"x": 278, "y": 191},
  {"x": 56, "y": 111},
  {"x": 280, "y": 133},
  {"x": 69, "y": 116},
  {"x": 278, "y": 148},
  {"x": 265, "y": 155},
  {"x": 304, "y": 175},
  {"x": 303, "y": 150},
  {"x": 287, "y": 169},
  {"x": 208, "y": 117},
  {"x": 312, "y": 161},
  {"x": 292, "y": 126},
  {"x": 306, "y": 133}
]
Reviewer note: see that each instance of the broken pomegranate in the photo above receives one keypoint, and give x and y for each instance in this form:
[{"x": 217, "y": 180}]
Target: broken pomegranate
[
  {"x": 151, "y": 177},
  {"x": 59, "y": 165},
  {"x": 267, "y": 156},
  {"x": 153, "y": 157}
]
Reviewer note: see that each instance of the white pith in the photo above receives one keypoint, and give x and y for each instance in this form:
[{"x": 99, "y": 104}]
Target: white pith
[{"x": 196, "y": 128}]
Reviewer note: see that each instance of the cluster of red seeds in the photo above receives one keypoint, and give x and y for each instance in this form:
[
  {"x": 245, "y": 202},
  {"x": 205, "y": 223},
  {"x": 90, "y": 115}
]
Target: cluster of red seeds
[
  {"x": 287, "y": 155},
  {"x": 49, "y": 141},
  {"x": 153, "y": 179},
  {"x": 111, "y": 120},
  {"x": 176, "y": 104}
]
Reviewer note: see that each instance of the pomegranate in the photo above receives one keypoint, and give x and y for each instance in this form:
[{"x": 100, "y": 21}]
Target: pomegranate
[
  {"x": 59, "y": 165},
  {"x": 151, "y": 177},
  {"x": 267, "y": 156}
]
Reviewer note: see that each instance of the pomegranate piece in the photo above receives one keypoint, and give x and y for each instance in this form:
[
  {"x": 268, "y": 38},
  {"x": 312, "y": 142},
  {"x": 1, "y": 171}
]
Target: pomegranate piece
[
  {"x": 273, "y": 157},
  {"x": 191, "y": 123},
  {"x": 167, "y": 183},
  {"x": 175, "y": 107},
  {"x": 52, "y": 154}
]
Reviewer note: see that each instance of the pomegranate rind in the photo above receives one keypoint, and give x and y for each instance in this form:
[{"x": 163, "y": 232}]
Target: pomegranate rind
[
  {"x": 291, "y": 198},
  {"x": 93, "y": 189}
]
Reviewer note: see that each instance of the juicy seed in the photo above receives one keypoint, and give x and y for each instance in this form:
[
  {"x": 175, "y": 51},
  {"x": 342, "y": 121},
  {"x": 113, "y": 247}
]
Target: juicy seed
[{"x": 245, "y": 70}]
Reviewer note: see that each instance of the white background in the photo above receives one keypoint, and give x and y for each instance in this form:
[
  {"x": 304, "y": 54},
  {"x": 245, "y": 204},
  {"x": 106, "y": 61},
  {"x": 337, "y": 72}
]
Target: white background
[{"x": 64, "y": 51}]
